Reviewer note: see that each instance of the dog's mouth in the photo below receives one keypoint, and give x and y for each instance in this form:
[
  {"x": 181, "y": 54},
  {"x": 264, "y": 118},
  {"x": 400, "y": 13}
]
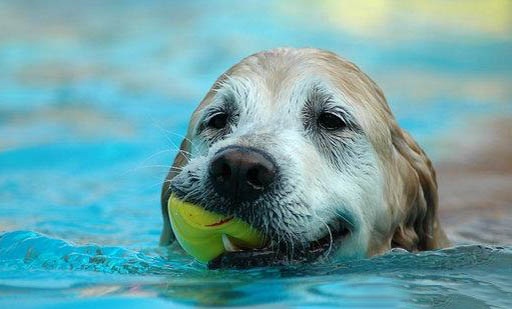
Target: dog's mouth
[
  {"x": 276, "y": 251},
  {"x": 239, "y": 257}
]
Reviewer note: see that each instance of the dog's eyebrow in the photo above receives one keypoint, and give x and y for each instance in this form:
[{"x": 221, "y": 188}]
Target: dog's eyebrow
[
  {"x": 232, "y": 90},
  {"x": 332, "y": 106}
]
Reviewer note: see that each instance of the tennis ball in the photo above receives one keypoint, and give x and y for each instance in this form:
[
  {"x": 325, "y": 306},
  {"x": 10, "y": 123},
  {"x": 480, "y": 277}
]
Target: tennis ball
[{"x": 206, "y": 235}]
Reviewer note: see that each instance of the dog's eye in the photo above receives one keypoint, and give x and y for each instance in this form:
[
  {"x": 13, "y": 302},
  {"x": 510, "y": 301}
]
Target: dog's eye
[
  {"x": 331, "y": 122},
  {"x": 218, "y": 121}
]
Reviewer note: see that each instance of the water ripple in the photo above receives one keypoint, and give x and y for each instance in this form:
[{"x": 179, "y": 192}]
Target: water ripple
[{"x": 45, "y": 267}]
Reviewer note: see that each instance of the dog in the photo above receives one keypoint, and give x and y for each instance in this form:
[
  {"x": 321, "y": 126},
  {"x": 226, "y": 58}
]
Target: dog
[{"x": 302, "y": 145}]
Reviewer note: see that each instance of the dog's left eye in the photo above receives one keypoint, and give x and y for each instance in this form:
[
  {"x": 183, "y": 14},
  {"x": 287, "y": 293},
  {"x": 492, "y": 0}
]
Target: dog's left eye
[
  {"x": 218, "y": 121},
  {"x": 330, "y": 122}
]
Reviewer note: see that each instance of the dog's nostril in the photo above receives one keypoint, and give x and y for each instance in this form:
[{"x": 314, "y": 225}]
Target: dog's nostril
[
  {"x": 254, "y": 177},
  {"x": 226, "y": 172},
  {"x": 221, "y": 170}
]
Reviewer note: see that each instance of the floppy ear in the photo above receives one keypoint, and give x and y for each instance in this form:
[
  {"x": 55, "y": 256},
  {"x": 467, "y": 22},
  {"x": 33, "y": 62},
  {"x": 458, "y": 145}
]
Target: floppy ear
[
  {"x": 419, "y": 228},
  {"x": 179, "y": 161}
]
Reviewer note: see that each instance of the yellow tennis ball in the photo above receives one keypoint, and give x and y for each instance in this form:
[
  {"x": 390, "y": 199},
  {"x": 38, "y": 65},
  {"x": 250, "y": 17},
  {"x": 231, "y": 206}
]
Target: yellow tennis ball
[{"x": 200, "y": 232}]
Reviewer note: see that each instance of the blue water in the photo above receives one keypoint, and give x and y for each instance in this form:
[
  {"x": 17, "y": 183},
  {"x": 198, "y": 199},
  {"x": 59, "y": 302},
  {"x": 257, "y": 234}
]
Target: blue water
[
  {"x": 40, "y": 270},
  {"x": 95, "y": 96}
]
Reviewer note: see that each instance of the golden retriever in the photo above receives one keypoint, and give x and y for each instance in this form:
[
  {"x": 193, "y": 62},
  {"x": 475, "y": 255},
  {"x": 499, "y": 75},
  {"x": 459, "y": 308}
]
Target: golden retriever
[{"x": 302, "y": 145}]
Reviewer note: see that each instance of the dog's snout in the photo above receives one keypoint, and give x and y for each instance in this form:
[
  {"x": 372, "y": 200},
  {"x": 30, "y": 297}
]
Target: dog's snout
[{"x": 241, "y": 173}]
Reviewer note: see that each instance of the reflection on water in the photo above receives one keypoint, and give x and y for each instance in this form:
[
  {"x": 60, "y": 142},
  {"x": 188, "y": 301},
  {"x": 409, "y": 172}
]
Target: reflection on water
[{"x": 95, "y": 97}]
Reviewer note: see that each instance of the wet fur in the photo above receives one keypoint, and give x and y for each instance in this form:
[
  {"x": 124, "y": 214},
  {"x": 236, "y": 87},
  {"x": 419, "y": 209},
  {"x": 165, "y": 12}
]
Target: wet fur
[{"x": 379, "y": 157}]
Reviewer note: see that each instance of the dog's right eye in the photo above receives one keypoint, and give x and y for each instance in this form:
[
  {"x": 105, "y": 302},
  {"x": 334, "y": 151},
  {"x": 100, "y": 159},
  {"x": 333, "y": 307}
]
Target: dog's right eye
[{"x": 218, "y": 121}]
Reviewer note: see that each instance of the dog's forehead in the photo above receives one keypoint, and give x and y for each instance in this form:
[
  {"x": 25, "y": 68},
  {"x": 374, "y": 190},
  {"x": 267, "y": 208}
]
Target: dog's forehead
[{"x": 282, "y": 73}]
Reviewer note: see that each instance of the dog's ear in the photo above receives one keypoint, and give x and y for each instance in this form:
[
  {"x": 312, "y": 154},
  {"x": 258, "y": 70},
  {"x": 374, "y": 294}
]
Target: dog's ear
[
  {"x": 179, "y": 161},
  {"x": 419, "y": 229}
]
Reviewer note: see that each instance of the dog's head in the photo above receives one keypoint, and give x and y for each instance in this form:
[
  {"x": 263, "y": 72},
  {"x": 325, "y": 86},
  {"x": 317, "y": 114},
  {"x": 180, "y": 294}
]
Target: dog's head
[{"x": 302, "y": 145}]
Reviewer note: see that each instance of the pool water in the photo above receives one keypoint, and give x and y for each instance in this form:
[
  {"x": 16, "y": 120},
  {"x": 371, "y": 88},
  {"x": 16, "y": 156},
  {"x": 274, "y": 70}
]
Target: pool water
[
  {"x": 95, "y": 96},
  {"x": 51, "y": 271}
]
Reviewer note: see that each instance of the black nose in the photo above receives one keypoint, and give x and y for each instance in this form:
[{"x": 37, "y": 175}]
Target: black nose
[{"x": 241, "y": 173}]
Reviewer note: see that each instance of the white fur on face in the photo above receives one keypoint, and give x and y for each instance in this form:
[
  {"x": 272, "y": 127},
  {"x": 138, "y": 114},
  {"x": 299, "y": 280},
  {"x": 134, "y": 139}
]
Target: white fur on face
[{"x": 322, "y": 178}]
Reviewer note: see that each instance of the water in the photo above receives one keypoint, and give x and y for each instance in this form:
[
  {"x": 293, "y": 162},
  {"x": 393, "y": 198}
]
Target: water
[
  {"x": 95, "y": 96},
  {"x": 38, "y": 270}
]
